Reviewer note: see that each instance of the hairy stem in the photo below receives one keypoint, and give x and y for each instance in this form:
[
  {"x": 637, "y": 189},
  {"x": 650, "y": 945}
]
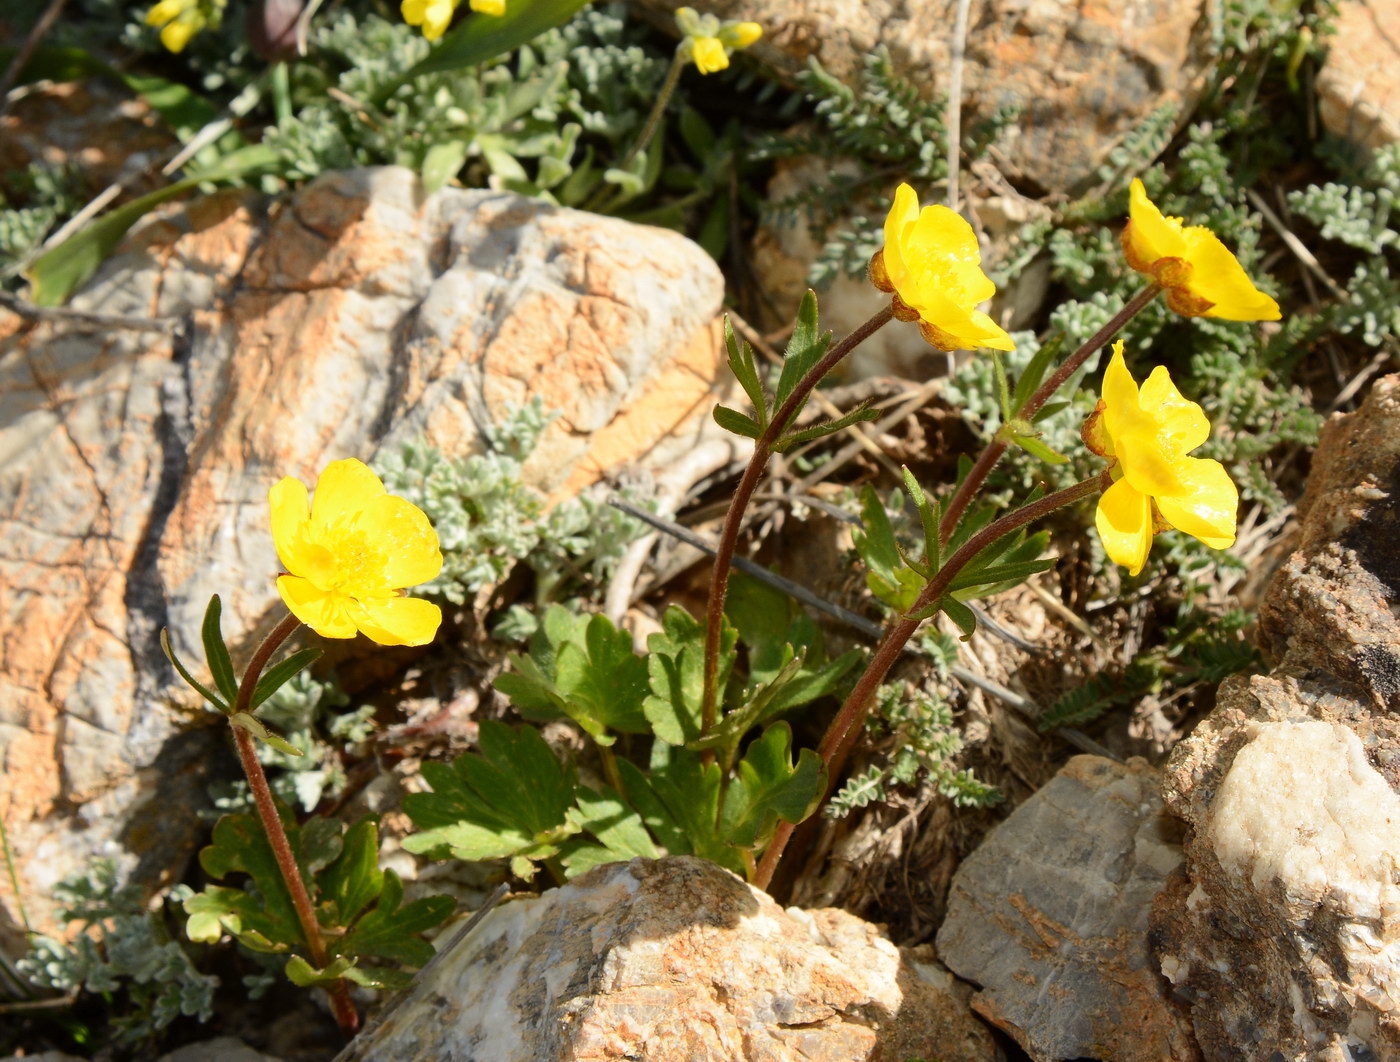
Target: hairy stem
[
  {"x": 345, "y": 1014},
  {"x": 991, "y": 454},
  {"x": 845, "y": 728},
  {"x": 733, "y": 519}
]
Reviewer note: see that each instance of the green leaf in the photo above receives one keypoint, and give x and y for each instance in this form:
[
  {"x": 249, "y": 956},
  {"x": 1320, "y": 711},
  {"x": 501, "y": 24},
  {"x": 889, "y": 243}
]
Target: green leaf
[
  {"x": 216, "y": 653},
  {"x": 768, "y": 786},
  {"x": 1003, "y": 392},
  {"x": 441, "y": 162},
  {"x": 675, "y": 670},
  {"x": 679, "y": 802},
  {"x": 275, "y": 677},
  {"x": 1033, "y": 446},
  {"x": 745, "y": 370},
  {"x": 55, "y": 64},
  {"x": 714, "y": 230},
  {"x": 302, "y": 974},
  {"x": 185, "y": 111},
  {"x": 216, "y": 911},
  {"x": 58, "y": 272},
  {"x": 254, "y": 726},
  {"x": 732, "y": 420},
  {"x": 696, "y": 133},
  {"x": 861, "y": 413},
  {"x": 391, "y": 931},
  {"x": 511, "y": 800},
  {"x": 928, "y": 520},
  {"x": 1034, "y": 372},
  {"x": 353, "y": 880},
  {"x": 960, "y": 614},
  {"x": 888, "y": 578},
  {"x": 240, "y": 845},
  {"x": 198, "y": 687},
  {"x": 480, "y": 38},
  {"x": 619, "y": 828},
  {"x": 804, "y": 350},
  {"x": 999, "y": 573}
]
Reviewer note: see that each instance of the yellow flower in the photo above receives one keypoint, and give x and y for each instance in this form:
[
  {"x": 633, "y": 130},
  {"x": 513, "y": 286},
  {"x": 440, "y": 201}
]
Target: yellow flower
[
  {"x": 496, "y": 8},
  {"x": 349, "y": 551},
  {"x": 433, "y": 15},
  {"x": 932, "y": 265},
  {"x": 709, "y": 54},
  {"x": 1201, "y": 277},
  {"x": 1156, "y": 486},
  {"x": 180, "y": 20},
  {"x": 708, "y": 42}
]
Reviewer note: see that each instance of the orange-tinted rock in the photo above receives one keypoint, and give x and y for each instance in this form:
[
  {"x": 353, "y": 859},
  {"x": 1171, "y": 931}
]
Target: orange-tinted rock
[
  {"x": 1358, "y": 86},
  {"x": 358, "y": 315}
]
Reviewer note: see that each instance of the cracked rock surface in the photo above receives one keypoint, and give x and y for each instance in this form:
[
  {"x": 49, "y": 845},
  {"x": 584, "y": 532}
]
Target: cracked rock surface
[
  {"x": 134, "y": 465},
  {"x": 1284, "y": 932},
  {"x": 675, "y": 960}
]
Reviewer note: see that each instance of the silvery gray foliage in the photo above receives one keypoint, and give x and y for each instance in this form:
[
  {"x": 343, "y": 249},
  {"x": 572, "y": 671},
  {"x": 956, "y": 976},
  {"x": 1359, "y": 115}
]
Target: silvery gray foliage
[{"x": 123, "y": 946}]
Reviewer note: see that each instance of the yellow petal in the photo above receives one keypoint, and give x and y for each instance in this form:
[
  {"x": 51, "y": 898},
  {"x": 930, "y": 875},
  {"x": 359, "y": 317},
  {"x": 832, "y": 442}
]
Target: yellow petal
[
  {"x": 164, "y": 11},
  {"x": 344, "y": 489},
  {"x": 489, "y": 7},
  {"x": 324, "y": 612},
  {"x": 398, "y": 620},
  {"x": 1124, "y": 522},
  {"x": 904, "y": 213},
  {"x": 709, "y": 55},
  {"x": 177, "y": 34},
  {"x": 405, "y": 536},
  {"x": 1184, "y": 424},
  {"x": 413, "y": 11},
  {"x": 290, "y": 513},
  {"x": 741, "y": 34},
  {"x": 1151, "y": 235},
  {"x": 1207, "y": 508},
  {"x": 1119, "y": 392},
  {"x": 1216, "y": 275}
]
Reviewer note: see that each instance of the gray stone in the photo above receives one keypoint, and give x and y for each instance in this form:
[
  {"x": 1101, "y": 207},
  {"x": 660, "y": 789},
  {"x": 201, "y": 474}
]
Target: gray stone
[
  {"x": 1050, "y": 916},
  {"x": 674, "y": 960}
]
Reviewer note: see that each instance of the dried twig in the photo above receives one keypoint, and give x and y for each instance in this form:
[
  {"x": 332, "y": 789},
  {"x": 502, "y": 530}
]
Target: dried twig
[{"x": 63, "y": 315}]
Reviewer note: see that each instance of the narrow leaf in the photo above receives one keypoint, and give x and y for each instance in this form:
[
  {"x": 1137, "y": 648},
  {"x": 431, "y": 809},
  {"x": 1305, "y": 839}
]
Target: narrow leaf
[
  {"x": 442, "y": 162},
  {"x": 804, "y": 349},
  {"x": 1034, "y": 371},
  {"x": 960, "y": 614},
  {"x": 278, "y": 674},
  {"x": 745, "y": 370},
  {"x": 733, "y": 421},
  {"x": 831, "y": 427},
  {"x": 216, "y": 653},
  {"x": 1033, "y": 446},
  {"x": 198, "y": 687},
  {"x": 1003, "y": 391},
  {"x": 254, "y": 726},
  {"x": 1000, "y": 573}
]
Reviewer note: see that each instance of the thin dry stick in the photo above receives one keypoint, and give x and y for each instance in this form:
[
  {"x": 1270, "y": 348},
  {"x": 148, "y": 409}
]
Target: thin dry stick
[
  {"x": 729, "y": 536},
  {"x": 953, "y": 122},
  {"x": 61, "y": 314},
  {"x": 845, "y": 728},
  {"x": 26, "y": 51},
  {"x": 344, "y": 1009}
]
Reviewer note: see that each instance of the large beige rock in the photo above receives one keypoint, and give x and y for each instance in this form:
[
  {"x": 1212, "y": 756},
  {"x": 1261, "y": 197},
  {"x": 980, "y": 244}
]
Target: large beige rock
[
  {"x": 1358, "y": 86},
  {"x": 1050, "y": 917},
  {"x": 1284, "y": 934},
  {"x": 1082, "y": 74},
  {"x": 134, "y": 466},
  {"x": 674, "y": 960}
]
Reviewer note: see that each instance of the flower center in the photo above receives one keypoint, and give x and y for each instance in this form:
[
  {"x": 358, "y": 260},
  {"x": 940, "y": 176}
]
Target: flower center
[{"x": 355, "y": 565}]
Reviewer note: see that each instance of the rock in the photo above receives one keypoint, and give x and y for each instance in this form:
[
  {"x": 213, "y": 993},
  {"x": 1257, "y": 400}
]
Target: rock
[
  {"x": 674, "y": 960},
  {"x": 135, "y": 465},
  {"x": 1083, "y": 75},
  {"x": 221, "y": 1049},
  {"x": 1050, "y": 916},
  {"x": 1284, "y": 932},
  {"x": 1358, "y": 86}
]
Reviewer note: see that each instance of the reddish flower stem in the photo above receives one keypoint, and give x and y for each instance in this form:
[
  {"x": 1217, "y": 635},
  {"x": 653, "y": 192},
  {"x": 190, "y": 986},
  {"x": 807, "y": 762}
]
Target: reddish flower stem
[
  {"x": 991, "y": 454},
  {"x": 341, "y": 1004},
  {"x": 729, "y": 535},
  {"x": 845, "y": 728}
]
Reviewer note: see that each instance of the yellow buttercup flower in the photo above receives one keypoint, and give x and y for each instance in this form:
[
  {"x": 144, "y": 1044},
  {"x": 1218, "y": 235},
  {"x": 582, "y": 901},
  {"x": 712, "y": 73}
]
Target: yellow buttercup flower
[
  {"x": 180, "y": 20},
  {"x": 1201, "y": 277},
  {"x": 1149, "y": 433},
  {"x": 436, "y": 15},
  {"x": 496, "y": 8},
  {"x": 932, "y": 265},
  {"x": 708, "y": 42},
  {"x": 349, "y": 551}
]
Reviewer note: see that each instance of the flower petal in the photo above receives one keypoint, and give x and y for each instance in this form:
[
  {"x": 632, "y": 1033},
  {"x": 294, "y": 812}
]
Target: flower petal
[
  {"x": 740, "y": 34},
  {"x": 397, "y": 620},
  {"x": 1119, "y": 391},
  {"x": 1124, "y": 522},
  {"x": 325, "y": 612},
  {"x": 405, "y": 536},
  {"x": 345, "y": 487},
  {"x": 903, "y": 213},
  {"x": 709, "y": 55},
  {"x": 1217, "y": 276},
  {"x": 1152, "y": 235},
  {"x": 290, "y": 512},
  {"x": 1184, "y": 423},
  {"x": 1207, "y": 508}
]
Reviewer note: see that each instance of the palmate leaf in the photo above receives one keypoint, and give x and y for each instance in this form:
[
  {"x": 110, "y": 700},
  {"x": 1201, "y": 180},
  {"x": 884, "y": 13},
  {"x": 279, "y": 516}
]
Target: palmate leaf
[
  {"x": 392, "y": 929},
  {"x": 240, "y": 845},
  {"x": 769, "y": 787},
  {"x": 678, "y": 800},
  {"x": 510, "y": 800},
  {"x": 619, "y": 829},
  {"x": 675, "y": 670}
]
